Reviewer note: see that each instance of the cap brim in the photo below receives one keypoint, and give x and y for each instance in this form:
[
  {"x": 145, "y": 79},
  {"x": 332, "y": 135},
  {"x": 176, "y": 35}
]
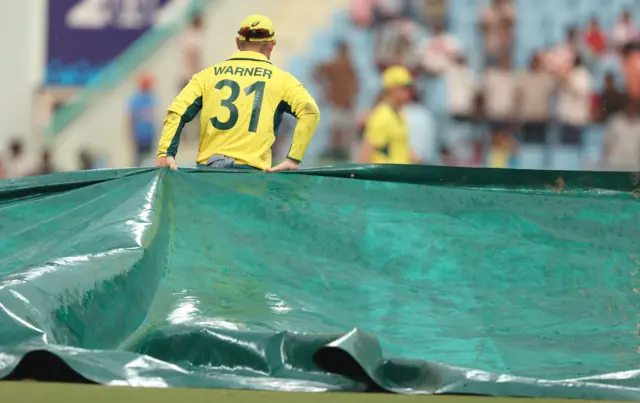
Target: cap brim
[{"x": 256, "y": 34}]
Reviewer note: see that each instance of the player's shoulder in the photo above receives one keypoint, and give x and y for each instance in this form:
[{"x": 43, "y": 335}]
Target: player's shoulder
[
  {"x": 380, "y": 113},
  {"x": 381, "y": 117},
  {"x": 283, "y": 74},
  {"x": 203, "y": 74}
]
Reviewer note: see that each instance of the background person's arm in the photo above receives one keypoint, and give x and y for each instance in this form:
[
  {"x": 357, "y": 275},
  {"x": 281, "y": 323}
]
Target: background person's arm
[
  {"x": 184, "y": 108},
  {"x": 375, "y": 138},
  {"x": 366, "y": 152},
  {"x": 415, "y": 158}
]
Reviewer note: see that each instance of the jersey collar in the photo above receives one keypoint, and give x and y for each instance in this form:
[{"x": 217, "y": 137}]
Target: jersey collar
[{"x": 249, "y": 55}]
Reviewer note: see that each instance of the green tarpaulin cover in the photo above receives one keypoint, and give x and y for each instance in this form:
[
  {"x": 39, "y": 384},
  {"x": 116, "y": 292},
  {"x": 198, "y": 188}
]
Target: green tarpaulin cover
[{"x": 358, "y": 278}]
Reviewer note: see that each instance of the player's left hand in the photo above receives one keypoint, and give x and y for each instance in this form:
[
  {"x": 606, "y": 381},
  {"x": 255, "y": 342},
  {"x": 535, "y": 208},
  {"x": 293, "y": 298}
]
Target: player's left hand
[
  {"x": 286, "y": 165},
  {"x": 167, "y": 162}
]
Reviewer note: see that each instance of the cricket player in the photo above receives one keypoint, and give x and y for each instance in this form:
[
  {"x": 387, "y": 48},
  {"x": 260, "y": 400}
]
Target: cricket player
[
  {"x": 241, "y": 103},
  {"x": 386, "y": 137}
]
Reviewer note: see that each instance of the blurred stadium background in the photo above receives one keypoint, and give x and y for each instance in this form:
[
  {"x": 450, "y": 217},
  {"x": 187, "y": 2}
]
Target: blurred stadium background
[{"x": 532, "y": 84}]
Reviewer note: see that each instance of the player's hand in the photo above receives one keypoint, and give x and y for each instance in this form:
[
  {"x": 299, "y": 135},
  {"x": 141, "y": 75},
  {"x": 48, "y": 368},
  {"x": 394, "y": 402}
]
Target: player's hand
[
  {"x": 167, "y": 162},
  {"x": 286, "y": 165},
  {"x": 171, "y": 163}
]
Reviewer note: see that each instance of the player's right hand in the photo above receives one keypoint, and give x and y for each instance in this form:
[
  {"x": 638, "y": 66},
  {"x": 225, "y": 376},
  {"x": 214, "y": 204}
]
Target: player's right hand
[{"x": 286, "y": 165}]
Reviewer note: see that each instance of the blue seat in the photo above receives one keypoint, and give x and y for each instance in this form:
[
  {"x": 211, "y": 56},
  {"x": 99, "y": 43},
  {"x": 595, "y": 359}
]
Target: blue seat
[
  {"x": 422, "y": 132},
  {"x": 531, "y": 156},
  {"x": 593, "y": 143},
  {"x": 565, "y": 158},
  {"x": 323, "y": 49},
  {"x": 435, "y": 94}
]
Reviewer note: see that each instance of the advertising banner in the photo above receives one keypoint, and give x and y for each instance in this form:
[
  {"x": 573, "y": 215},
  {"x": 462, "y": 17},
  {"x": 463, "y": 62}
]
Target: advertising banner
[{"x": 85, "y": 35}]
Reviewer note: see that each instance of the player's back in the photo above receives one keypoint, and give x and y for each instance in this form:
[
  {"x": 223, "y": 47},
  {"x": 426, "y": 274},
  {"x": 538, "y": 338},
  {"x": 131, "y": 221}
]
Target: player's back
[{"x": 243, "y": 101}]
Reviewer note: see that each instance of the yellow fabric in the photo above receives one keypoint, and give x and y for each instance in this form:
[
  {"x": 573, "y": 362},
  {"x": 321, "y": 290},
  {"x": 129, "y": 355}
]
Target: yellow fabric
[
  {"x": 386, "y": 131},
  {"x": 242, "y": 102},
  {"x": 396, "y": 76},
  {"x": 499, "y": 158},
  {"x": 257, "y": 21}
]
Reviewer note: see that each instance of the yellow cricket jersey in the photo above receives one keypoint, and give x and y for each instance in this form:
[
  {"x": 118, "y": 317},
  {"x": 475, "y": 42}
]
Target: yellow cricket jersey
[
  {"x": 386, "y": 131},
  {"x": 241, "y": 103}
]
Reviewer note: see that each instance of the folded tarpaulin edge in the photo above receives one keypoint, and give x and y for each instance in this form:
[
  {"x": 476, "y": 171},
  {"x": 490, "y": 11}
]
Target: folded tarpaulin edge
[{"x": 411, "y": 174}]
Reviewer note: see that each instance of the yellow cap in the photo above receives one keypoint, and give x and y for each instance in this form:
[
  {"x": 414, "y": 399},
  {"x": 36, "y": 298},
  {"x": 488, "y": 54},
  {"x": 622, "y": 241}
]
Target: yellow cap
[
  {"x": 258, "y": 25},
  {"x": 396, "y": 76}
]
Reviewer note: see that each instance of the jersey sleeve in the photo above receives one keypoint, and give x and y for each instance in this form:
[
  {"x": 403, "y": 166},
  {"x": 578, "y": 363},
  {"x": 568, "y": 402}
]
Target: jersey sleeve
[
  {"x": 305, "y": 109},
  {"x": 375, "y": 132},
  {"x": 184, "y": 108}
]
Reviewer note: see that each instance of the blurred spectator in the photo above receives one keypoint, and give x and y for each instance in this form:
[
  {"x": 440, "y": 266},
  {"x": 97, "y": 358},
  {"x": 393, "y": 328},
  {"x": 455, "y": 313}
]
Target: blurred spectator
[
  {"x": 446, "y": 157},
  {"x": 631, "y": 68},
  {"x": 440, "y": 52},
  {"x": 474, "y": 157},
  {"x": 503, "y": 149},
  {"x": 363, "y": 12},
  {"x": 622, "y": 140},
  {"x": 2, "y": 171},
  {"x": 595, "y": 37},
  {"x": 386, "y": 139},
  {"x": 624, "y": 30},
  {"x": 391, "y": 8},
  {"x": 461, "y": 89},
  {"x": 458, "y": 127},
  {"x": 535, "y": 87},
  {"x": 418, "y": 10},
  {"x": 562, "y": 57},
  {"x": 340, "y": 83},
  {"x": 46, "y": 165},
  {"x": 87, "y": 161},
  {"x": 16, "y": 164},
  {"x": 431, "y": 10},
  {"x": 500, "y": 93},
  {"x": 574, "y": 96},
  {"x": 192, "y": 49},
  {"x": 496, "y": 23},
  {"x": 395, "y": 43},
  {"x": 142, "y": 117},
  {"x": 612, "y": 100}
]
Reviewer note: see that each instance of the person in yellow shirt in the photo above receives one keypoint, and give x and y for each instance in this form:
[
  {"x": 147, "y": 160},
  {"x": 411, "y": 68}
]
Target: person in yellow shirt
[
  {"x": 241, "y": 103},
  {"x": 386, "y": 137}
]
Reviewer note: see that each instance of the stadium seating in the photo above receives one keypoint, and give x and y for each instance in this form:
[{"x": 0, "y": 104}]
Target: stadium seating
[{"x": 541, "y": 24}]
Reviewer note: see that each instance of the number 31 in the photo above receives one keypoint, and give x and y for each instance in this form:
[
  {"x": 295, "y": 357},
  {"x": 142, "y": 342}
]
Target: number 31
[{"x": 257, "y": 87}]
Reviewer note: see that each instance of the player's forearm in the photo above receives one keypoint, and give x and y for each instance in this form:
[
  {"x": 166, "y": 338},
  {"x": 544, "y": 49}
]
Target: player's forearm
[
  {"x": 307, "y": 123},
  {"x": 415, "y": 158},
  {"x": 366, "y": 152},
  {"x": 168, "y": 145}
]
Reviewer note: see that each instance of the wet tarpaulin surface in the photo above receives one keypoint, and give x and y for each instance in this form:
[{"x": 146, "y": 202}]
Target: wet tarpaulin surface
[{"x": 399, "y": 279}]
